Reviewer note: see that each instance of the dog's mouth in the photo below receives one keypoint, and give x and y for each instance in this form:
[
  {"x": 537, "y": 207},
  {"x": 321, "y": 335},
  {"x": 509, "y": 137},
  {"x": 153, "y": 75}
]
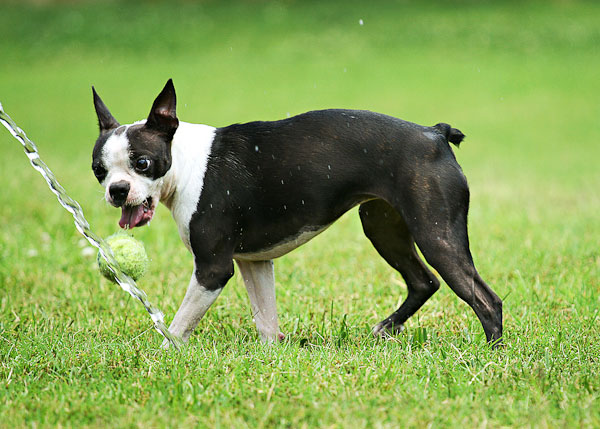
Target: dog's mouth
[{"x": 132, "y": 216}]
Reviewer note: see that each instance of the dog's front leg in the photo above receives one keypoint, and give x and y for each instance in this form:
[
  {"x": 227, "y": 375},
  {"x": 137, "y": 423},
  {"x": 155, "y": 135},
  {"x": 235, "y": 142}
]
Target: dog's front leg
[
  {"x": 196, "y": 302},
  {"x": 259, "y": 278}
]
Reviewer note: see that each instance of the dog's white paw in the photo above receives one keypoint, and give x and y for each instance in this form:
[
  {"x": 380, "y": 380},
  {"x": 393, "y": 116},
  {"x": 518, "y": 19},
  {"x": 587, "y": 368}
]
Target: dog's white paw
[
  {"x": 271, "y": 337},
  {"x": 178, "y": 345}
]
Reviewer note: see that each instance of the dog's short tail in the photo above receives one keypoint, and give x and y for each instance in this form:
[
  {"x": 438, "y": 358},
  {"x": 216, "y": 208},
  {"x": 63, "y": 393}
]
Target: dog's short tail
[{"x": 453, "y": 135}]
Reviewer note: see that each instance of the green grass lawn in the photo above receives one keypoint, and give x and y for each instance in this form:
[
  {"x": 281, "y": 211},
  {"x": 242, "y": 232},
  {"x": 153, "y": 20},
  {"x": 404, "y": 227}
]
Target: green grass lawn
[{"x": 519, "y": 79}]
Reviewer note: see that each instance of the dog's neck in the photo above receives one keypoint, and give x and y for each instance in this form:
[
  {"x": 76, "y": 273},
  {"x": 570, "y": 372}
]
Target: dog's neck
[{"x": 189, "y": 150}]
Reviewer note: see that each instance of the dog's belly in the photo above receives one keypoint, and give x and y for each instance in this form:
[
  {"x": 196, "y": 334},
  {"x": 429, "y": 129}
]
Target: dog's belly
[{"x": 281, "y": 248}]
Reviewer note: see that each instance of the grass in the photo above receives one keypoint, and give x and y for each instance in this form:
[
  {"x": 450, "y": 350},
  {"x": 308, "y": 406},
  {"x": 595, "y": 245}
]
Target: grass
[{"x": 520, "y": 79}]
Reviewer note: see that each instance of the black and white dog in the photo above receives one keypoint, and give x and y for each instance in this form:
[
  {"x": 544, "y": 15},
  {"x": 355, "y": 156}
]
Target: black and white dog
[{"x": 253, "y": 192}]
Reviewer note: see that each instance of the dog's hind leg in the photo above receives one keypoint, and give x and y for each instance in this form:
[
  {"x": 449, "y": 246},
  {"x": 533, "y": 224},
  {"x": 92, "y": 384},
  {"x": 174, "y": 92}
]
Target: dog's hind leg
[
  {"x": 438, "y": 221},
  {"x": 388, "y": 232},
  {"x": 259, "y": 278},
  {"x": 446, "y": 248}
]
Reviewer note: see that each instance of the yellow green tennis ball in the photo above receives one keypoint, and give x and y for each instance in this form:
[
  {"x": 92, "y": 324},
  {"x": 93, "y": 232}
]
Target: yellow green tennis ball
[{"x": 129, "y": 253}]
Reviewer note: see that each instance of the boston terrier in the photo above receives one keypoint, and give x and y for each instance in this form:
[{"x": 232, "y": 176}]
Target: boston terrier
[{"x": 253, "y": 192}]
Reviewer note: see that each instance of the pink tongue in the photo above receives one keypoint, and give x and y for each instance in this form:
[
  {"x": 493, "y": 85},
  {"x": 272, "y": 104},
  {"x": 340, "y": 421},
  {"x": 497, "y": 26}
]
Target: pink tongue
[{"x": 131, "y": 216}]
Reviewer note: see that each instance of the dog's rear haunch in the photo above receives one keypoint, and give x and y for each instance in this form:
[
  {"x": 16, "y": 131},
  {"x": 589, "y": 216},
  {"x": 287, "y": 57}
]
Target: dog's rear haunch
[{"x": 253, "y": 192}]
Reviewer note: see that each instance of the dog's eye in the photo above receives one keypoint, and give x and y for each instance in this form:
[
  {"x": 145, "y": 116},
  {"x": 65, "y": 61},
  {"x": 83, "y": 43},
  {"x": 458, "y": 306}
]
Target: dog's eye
[
  {"x": 99, "y": 172},
  {"x": 142, "y": 164}
]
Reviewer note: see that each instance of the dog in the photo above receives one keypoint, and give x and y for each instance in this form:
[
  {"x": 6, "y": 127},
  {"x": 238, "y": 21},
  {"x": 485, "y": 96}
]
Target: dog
[{"x": 253, "y": 192}]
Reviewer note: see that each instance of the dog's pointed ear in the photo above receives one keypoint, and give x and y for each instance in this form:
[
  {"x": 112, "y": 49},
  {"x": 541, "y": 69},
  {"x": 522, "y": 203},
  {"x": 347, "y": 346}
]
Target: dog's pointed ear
[
  {"x": 163, "y": 116},
  {"x": 106, "y": 121}
]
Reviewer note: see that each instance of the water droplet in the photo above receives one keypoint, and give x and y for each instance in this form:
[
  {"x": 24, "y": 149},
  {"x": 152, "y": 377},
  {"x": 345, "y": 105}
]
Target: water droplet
[
  {"x": 227, "y": 191},
  {"x": 256, "y": 148},
  {"x": 361, "y": 22},
  {"x": 365, "y": 150},
  {"x": 282, "y": 181},
  {"x": 302, "y": 202},
  {"x": 88, "y": 251},
  {"x": 328, "y": 167}
]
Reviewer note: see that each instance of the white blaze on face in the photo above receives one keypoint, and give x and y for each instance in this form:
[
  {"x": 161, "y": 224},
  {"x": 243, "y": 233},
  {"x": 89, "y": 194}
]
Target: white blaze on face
[{"x": 115, "y": 157}]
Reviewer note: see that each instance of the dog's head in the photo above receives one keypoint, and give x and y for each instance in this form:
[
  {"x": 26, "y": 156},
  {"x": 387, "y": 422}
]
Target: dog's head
[{"x": 131, "y": 161}]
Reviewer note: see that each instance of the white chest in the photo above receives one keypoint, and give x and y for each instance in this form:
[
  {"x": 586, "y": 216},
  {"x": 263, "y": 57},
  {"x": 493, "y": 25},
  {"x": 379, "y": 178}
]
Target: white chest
[{"x": 191, "y": 148}]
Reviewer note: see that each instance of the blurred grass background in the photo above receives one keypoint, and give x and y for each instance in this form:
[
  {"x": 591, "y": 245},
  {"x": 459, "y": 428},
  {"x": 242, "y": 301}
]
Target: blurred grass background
[{"x": 520, "y": 79}]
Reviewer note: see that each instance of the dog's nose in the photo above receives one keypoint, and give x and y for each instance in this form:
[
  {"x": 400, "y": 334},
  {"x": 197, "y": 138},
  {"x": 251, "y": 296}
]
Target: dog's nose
[{"x": 118, "y": 192}]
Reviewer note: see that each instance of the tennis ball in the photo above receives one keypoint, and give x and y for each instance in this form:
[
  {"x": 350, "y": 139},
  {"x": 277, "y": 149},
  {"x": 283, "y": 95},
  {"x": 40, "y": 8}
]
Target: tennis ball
[{"x": 129, "y": 253}]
